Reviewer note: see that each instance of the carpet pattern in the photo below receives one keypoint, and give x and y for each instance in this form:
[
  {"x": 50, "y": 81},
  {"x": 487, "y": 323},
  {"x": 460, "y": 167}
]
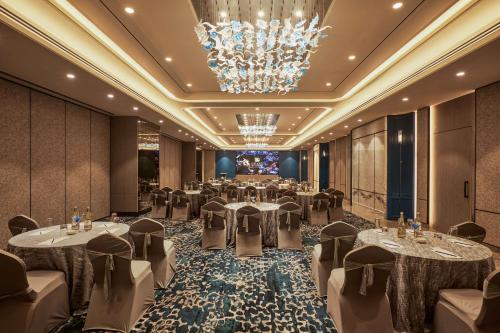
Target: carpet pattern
[{"x": 213, "y": 291}]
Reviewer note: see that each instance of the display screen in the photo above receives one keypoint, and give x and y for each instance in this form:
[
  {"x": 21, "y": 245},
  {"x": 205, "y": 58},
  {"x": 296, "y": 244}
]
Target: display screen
[{"x": 257, "y": 162}]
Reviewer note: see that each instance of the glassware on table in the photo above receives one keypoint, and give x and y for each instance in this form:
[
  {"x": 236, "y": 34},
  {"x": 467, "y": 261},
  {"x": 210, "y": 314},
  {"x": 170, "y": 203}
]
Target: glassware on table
[
  {"x": 401, "y": 226},
  {"x": 75, "y": 219},
  {"x": 377, "y": 223},
  {"x": 87, "y": 221}
]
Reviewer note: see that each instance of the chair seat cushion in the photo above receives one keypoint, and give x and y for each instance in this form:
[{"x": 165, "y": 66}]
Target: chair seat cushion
[
  {"x": 468, "y": 301},
  {"x": 140, "y": 268},
  {"x": 44, "y": 282}
]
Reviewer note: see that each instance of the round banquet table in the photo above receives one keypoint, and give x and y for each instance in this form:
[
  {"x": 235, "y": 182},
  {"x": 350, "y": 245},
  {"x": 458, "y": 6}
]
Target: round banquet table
[
  {"x": 51, "y": 248},
  {"x": 419, "y": 272},
  {"x": 304, "y": 199},
  {"x": 193, "y": 197},
  {"x": 268, "y": 221},
  {"x": 284, "y": 186},
  {"x": 261, "y": 190}
]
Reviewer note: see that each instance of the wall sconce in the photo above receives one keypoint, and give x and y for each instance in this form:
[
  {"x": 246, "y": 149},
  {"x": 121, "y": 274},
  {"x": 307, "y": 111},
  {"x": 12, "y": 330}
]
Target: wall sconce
[
  {"x": 400, "y": 136},
  {"x": 324, "y": 153},
  {"x": 304, "y": 157}
]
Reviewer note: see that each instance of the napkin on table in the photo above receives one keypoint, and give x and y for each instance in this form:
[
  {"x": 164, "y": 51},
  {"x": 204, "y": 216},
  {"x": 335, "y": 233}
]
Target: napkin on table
[
  {"x": 390, "y": 243},
  {"x": 445, "y": 253},
  {"x": 56, "y": 240}
]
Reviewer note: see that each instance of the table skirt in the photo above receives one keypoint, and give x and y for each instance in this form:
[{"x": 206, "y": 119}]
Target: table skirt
[{"x": 268, "y": 225}]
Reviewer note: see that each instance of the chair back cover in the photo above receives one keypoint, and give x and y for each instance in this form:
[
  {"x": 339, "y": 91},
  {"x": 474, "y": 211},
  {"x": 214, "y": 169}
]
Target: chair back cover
[
  {"x": 330, "y": 190},
  {"x": 248, "y": 218},
  {"x": 218, "y": 199},
  {"x": 223, "y": 187},
  {"x": 13, "y": 280},
  {"x": 321, "y": 201},
  {"x": 272, "y": 191},
  {"x": 251, "y": 191},
  {"x": 469, "y": 230},
  {"x": 489, "y": 314},
  {"x": 159, "y": 197},
  {"x": 336, "y": 198},
  {"x": 207, "y": 185},
  {"x": 283, "y": 200},
  {"x": 213, "y": 215},
  {"x": 21, "y": 223},
  {"x": 289, "y": 216},
  {"x": 195, "y": 185},
  {"x": 232, "y": 192},
  {"x": 367, "y": 269},
  {"x": 111, "y": 258},
  {"x": 167, "y": 189},
  {"x": 337, "y": 239},
  {"x": 290, "y": 193},
  {"x": 179, "y": 199},
  {"x": 205, "y": 195},
  {"x": 148, "y": 236}
]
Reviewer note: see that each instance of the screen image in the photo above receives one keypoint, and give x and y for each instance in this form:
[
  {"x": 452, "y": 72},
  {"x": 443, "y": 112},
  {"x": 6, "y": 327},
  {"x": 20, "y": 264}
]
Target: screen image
[{"x": 257, "y": 162}]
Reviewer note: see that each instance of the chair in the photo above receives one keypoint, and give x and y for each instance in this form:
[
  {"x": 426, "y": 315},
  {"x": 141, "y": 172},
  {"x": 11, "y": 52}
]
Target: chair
[
  {"x": 289, "y": 236},
  {"x": 160, "y": 204},
  {"x": 336, "y": 240},
  {"x": 31, "y": 302},
  {"x": 21, "y": 223},
  {"x": 318, "y": 211},
  {"x": 271, "y": 193},
  {"x": 195, "y": 185},
  {"x": 284, "y": 200},
  {"x": 167, "y": 189},
  {"x": 206, "y": 185},
  {"x": 213, "y": 215},
  {"x": 469, "y": 310},
  {"x": 249, "y": 191},
  {"x": 336, "y": 211},
  {"x": 205, "y": 195},
  {"x": 357, "y": 299},
  {"x": 248, "y": 232},
  {"x": 469, "y": 230},
  {"x": 290, "y": 193},
  {"x": 181, "y": 208},
  {"x": 330, "y": 190},
  {"x": 223, "y": 190},
  {"x": 150, "y": 244},
  {"x": 123, "y": 288},
  {"x": 232, "y": 193},
  {"x": 218, "y": 200},
  {"x": 280, "y": 192}
]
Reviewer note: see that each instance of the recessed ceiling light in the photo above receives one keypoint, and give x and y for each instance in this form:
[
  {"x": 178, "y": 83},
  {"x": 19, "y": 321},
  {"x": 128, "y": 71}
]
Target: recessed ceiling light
[
  {"x": 223, "y": 14},
  {"x": 208, "y": 109},
  {"x": 138, "y": 121},
  {"x": 328, "y": 84},
  {"x": 322, "y": 137},
  {"x": 360, "y": 120},
  {"x": 351, "y": 57},
  {"x": 315, "y": 140},
  {"x": 405, "y": 99},
  {"x": 293, "y": 124},
  {"x": 397, "y": 5},
  {"x": 196, "y": 139},
  {"x": 307, "y": 109},
  {"x": 330, "y": 133},
  {"x": 168, "y": 59},
  {"x": 260, "y": 13},
  {"x": 257, "y": 109},
  {"x": 111, "y": 96},
  {"x": 179, "y": 130},
  {"x": 289, "y": 129},
  {"x": 189, "y": 85},
  {"x": 160, "y": 121},
  {"x": 70, "y": 76},
  {"x": 298, "y": 13},
  {"x": 192, "y": 137},
  {"x": 299, "y": 117},
  {"x": 186, "y": 133},
  {"x": 129, "y": 10},
  {"x": 220, "y": 124},
  {"x": 345, "y": 126},
  {"x": 215, "y": 117},
  {"x": 135, "y": 108},
  {"x": 460, "y": 74},
  {"x": 204, "y": 143}
]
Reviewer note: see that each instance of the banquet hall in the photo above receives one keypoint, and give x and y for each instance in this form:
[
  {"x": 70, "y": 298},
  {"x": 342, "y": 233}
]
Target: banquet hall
[{"x": 250, "y": 166}]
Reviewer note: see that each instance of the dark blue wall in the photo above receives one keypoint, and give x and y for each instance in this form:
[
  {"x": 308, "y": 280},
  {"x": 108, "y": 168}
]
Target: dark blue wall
[
  {"x": 324, "y": 165},
  {"x": 225, "y": 161},
  {"x": 303, "y": 165},
  {"x": 289, "y": 164},
  {"x": 400, "y": 181}
]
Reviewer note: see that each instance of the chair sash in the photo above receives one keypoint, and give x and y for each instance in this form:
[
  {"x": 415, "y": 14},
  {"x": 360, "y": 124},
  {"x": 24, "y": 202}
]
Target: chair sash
[
  {"x": 147, "y": 239},
  {"x": 177, "y": 199},
  {"x": 320, "y": 203},
  {"x": 245, "y": 219},
  {"x": 368, "y": 274},
  {"x": 288, "y": 216},
  {"x": 210, "y": 216},
  {"x": 231, "y": 193},
  {"x": 490, "y": 290},
  {"x": 109, "y": 267},
  {"x": 159, "y": 200},
  {"x": 325, "y": 238},
  {"x": 29, "y": 293}
]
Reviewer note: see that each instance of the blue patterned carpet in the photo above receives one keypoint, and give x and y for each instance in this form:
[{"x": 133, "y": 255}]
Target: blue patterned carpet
[{"x": 213, "y": 291}]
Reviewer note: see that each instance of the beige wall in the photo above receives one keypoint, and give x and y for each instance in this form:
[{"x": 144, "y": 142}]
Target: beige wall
[
  {"x": 422, "y": 156},
  {"x": 47, "y": 162},
  {"x": 170, "y": 162},
  {"x": 488, "y": 161},
  {"x": 208, "y": 164},
  {"x": 310, "y": 166},
  {"x": 369, "y": 170},
  {"x": 188, "y": 171},
  {"x": 340, "y": 165}
]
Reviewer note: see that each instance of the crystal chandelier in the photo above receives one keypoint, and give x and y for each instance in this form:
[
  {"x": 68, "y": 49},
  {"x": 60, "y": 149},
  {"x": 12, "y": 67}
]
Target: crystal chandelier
[
  {"x": 256, "y": 124},
  {"x": 268, "y": 56},
  {"x": 256, "y": 145}
]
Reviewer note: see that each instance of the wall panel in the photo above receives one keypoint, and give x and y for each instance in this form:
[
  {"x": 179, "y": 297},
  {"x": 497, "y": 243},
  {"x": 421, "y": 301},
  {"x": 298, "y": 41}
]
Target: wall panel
[
  {"x": 48, "y": 152},
  {"x": 208, "y": 164},
  {"x": 14, "y": 154},
  {"x": 422, "y": 150},
  {"x": 100, "y": 165},
  {"x": 77, "y": 158},
  {"x": 170, "y": 163}
]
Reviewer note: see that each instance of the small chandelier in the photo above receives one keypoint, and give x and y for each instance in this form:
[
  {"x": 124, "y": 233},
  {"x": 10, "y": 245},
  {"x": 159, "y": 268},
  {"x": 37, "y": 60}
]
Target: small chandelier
[{"x": 256, "y": 145}]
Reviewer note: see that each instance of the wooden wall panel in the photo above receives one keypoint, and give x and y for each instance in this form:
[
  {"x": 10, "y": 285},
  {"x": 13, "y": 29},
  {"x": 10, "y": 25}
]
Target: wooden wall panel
[
  {"x": 331, "y": 154},
  {"x": 77, "y": 158},
  {"x": 208, "y": 164},
  {"x": 170, "y": 163},
  {"x": 488, "y": 161},
  {"x": 48, "y": 174},
  {"x": 366, "y": 163},
  {"x": 100, "y": 165},
  {"x": 14, "y": 154},
  {"x": 422, "y": 171},
  {"x": 348, "y": 167},
  {"x": 310, "y": 166},
  {"x": 188, "y": 171},
  {"x": 355, "y": 170}
]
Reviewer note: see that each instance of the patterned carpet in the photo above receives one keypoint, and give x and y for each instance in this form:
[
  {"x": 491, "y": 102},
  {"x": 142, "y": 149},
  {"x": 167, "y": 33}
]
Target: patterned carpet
[{"x": 215, "y": 292}]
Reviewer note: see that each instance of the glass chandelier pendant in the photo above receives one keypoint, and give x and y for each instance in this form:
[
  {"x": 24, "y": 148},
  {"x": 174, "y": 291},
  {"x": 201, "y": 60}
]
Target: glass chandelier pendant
[{"x": 265, "y": 58}]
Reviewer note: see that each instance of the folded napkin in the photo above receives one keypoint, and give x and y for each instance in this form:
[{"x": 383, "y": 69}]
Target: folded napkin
[
  {"x": 104, "y": 225},
  {"x": 390, "y": 243},
  {"x": 39, "y": 232},
  {"x": 460, "y": 242},
  {"x": 445, "y": 253},
  {"x": 51, "y": 241},
  {"x": 110, "y": 230},
  {"x": 379, "y": 231}
]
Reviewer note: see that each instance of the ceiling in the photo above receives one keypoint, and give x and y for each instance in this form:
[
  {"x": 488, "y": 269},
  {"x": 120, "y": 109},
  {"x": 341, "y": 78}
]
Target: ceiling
[{"x": 138, "y": 44}]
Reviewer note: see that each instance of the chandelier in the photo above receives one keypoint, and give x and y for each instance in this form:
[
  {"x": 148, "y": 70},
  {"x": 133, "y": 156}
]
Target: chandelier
[
  {"x": 256, "y": 145},
  {"x": 271, "y": 55},
  {"x": 257, "y": 124}
]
